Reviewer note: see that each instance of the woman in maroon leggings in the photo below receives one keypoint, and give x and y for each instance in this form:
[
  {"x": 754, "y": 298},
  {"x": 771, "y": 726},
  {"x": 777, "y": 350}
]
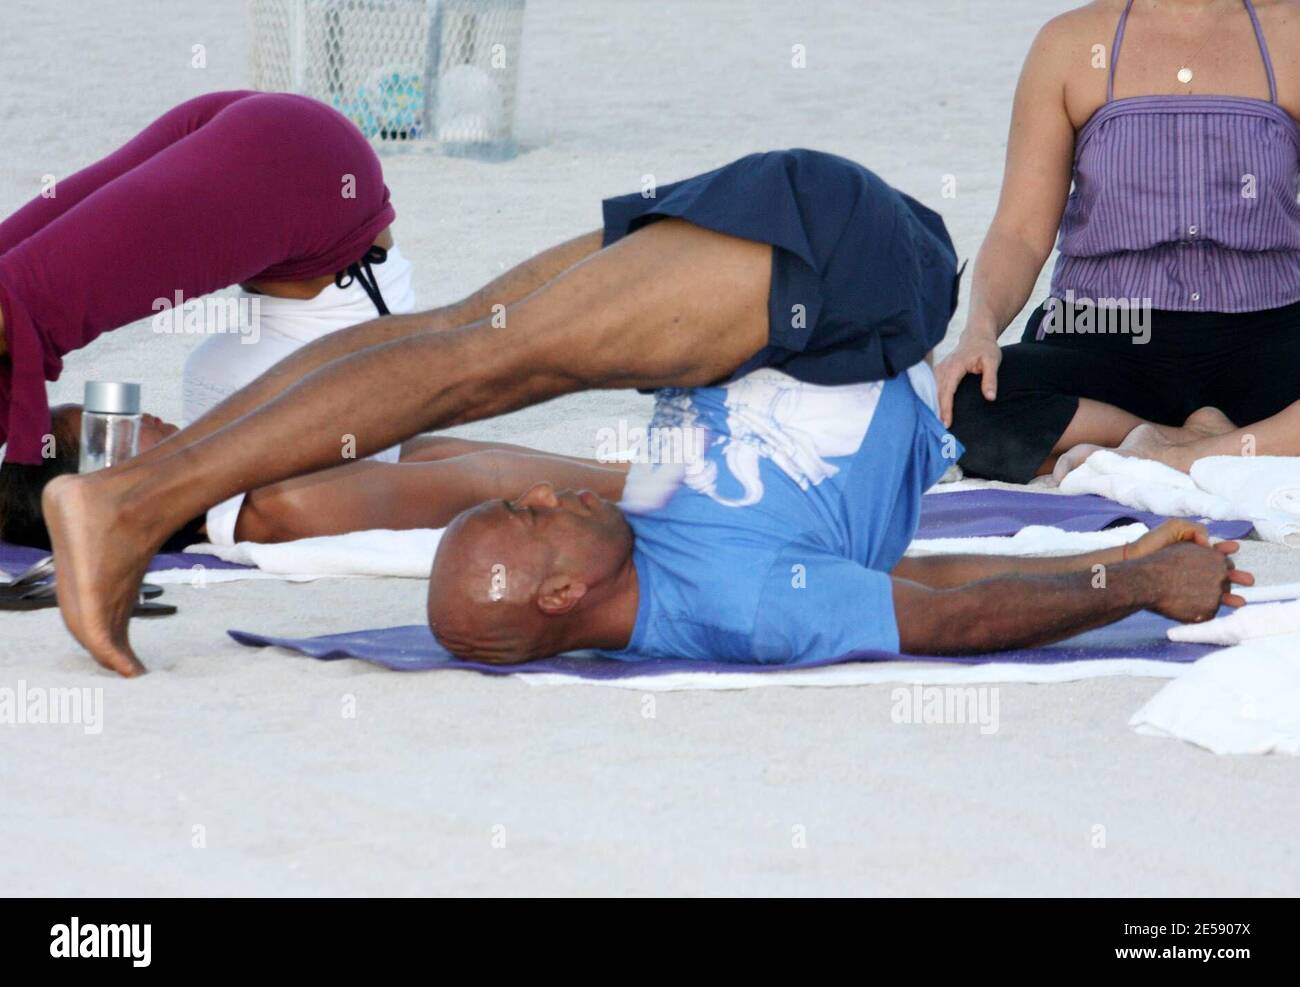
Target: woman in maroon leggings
[
  {"x": 279, "y": 194},
  {"x": 272, "y": 190},
  {"x": 276, "y": 192}
]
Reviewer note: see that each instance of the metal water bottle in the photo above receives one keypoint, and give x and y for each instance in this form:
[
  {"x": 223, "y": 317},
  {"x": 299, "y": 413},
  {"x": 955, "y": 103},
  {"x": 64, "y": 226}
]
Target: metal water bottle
[{"x": 110, "y": 425}]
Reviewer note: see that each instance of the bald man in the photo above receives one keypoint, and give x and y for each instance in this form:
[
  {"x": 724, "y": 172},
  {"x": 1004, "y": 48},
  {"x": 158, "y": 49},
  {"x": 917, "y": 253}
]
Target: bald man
[
  {"x": 795, "y": 261},
  {"x": 777, "y": 537}
]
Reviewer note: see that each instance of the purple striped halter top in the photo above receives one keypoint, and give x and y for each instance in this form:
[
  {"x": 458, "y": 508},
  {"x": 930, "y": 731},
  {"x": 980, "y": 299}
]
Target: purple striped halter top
[{"x": 1184, "y": 202}]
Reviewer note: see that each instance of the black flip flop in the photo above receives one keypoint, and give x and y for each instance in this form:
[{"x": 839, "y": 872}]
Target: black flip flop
[
  {"x": 43, "y": 596},
  {"x": 43, "y": 572}
]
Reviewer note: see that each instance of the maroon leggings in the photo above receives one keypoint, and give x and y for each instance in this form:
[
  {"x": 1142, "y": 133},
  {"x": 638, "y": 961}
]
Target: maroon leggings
[{"x": 225, "y": 188}]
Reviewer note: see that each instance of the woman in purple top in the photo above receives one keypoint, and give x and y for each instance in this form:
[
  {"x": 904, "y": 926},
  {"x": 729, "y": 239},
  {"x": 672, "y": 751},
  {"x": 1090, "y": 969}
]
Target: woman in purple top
[{"x": 1174, "y": 314}]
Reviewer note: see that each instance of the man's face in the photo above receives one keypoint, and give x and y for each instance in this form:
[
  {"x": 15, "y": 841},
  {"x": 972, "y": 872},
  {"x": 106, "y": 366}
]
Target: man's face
[
  {"x": 576, "y": 528},
  {"x": 507, "y": 566}
]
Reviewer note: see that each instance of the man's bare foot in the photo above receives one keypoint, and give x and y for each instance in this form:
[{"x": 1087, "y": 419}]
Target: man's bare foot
[{"x": 100, "y": 562}]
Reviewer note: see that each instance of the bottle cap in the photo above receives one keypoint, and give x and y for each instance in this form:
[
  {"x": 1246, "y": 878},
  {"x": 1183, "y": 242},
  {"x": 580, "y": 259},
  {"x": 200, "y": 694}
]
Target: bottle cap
[{"x": 107, "y": 398}]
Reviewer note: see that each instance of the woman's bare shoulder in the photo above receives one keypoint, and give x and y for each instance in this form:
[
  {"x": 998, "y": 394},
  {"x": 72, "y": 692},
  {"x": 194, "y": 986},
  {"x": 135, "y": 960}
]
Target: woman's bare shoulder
[
  {"x": 1068, "y": 53},
  {"x": 1280, "y": 20},
  {"x": 1092, "y": 23}
]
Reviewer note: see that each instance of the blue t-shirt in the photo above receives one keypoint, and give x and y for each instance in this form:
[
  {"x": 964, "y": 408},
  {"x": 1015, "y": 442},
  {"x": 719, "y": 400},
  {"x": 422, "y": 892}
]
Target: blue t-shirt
[{"x": 771, "y": 512}]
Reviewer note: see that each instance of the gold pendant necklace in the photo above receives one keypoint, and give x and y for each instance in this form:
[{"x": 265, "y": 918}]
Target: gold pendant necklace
[{"x": 1185, "y": 74}]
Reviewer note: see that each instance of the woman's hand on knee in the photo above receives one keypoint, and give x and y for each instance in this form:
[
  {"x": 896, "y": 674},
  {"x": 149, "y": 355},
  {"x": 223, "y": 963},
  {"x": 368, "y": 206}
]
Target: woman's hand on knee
[{"x": 973, "y": 355}]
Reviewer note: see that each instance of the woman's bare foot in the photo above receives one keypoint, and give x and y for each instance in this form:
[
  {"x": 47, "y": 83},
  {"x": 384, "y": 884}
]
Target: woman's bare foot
[
  {"x": 1208, "y": 421},
  {"x": 1072, "y": 459},
  {"x": 1163, "y": 443},
  {"x": 1202, "y": 423},
  {"x": 1148, "y": 442},
  {"x": 100, "y": 561}
]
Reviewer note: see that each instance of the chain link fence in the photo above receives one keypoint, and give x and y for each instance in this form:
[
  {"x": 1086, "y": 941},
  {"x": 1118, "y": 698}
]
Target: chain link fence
[{"x": 442, "y": 71}]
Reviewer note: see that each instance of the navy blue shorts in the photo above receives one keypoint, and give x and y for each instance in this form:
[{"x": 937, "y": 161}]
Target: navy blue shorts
[{"x": 864, "y": 278}]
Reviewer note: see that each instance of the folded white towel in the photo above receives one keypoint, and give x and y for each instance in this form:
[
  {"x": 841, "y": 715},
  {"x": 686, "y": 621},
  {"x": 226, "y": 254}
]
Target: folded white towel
[
  {"x": 1037, "y": 539},
  {"x": 361, "y": 553},
  {"x": 1255, "y": 620},
  {"x": 1243, "y": 700},
  {"x": 1265, "y": 489},
  {"x": 1148, "y": 486},
  {"x": 200, "y": 576}
]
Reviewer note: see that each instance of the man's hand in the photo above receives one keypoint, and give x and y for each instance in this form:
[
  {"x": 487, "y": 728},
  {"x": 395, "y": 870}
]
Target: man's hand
[
  {"x": 1190, "y": 580},
  {"x": 973, "y": 355}
]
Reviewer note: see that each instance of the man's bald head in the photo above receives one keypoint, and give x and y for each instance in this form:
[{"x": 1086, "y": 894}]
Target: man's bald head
[{"x": 510, "y": 577}]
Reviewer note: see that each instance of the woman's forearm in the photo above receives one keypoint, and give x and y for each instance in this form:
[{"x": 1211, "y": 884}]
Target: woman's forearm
[
  {"x": 436, "y": 447},
  {"x": 402, "y": 496},
  {"x": 1006, "y": 270},
  {"x": 361, "y": 496}
]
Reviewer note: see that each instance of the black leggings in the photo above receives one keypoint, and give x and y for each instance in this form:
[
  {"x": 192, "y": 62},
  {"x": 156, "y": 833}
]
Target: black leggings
[{"x": 1245, "y": 364}]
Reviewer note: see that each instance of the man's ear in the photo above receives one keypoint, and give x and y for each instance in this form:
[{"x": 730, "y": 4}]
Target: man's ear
[{"x": 559, "y": 594}]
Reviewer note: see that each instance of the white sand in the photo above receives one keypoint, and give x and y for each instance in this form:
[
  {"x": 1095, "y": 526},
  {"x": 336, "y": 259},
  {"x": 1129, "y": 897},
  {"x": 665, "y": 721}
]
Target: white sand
[{"x": 592, "y": 795}]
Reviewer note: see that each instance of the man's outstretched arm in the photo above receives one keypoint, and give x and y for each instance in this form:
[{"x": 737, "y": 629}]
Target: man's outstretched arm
[
  {"x": 1184, "y": 581},
  {"x": 948, "y": 571}
]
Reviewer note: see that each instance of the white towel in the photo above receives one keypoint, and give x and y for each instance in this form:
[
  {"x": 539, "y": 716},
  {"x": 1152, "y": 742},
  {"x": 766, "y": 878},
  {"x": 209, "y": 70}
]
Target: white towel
[
  {"x": 874, "y": 673},
  {"x": 409, "y": 554},
  {"x": 1243, "y": 700},
  {"x": 1269, "y": 593},
  {"x": 1036, "y": 539},
  {"x": 1265, "y": 489},
  {"x": 200, "y": 575},
  {"x": 1252, "y": 621},
  {"x": 361, "y": 553},
  {"x": 1148, "y": 486}
]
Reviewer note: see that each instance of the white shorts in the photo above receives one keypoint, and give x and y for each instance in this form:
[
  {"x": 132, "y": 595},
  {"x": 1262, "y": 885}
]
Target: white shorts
[{"x": 222, "y": 364}]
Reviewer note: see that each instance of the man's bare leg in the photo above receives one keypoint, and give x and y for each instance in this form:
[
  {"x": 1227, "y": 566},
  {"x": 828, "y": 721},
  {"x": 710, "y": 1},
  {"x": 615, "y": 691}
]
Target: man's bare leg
[
  {"x": 671, "y": 305},
  {"x": 506, "y": 290}
]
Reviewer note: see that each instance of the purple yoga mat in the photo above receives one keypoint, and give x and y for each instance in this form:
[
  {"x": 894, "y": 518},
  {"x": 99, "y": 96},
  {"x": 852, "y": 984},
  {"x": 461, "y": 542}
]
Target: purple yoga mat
[
  {"x": 412, "y": 648},
  {"x": 973, "y": 513},
  {"x": 18, "y": 558}
]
